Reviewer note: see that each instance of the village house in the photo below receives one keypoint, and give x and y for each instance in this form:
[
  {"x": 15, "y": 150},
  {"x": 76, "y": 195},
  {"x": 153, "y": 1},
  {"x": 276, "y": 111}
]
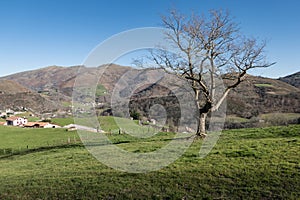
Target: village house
[{"x": 16, "y": 121}]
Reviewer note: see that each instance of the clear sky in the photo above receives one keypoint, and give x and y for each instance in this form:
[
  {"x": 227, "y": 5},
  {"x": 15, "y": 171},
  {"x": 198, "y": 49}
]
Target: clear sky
[{"x": 40, "y": 33}]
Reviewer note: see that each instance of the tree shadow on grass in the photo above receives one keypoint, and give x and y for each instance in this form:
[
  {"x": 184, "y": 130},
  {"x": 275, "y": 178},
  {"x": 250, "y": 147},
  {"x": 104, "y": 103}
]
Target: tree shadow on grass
[{"x": 11, "y": 152}]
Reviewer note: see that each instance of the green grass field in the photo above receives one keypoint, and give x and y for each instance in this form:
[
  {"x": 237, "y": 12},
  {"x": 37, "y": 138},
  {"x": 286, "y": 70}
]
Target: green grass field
[
  {"x": 258, "y": 163},
  {"x": 100, "y": 90},
  {"x": 62, "y": 121},
  {"x": 277, "y": 117},
  {"x": 264, "y": 85},
  {"x": 19, "y": 139}
]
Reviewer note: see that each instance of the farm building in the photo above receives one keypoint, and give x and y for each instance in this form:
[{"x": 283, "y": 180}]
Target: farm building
[
  {"x": 40, "y": 125},
  {"x": 16, "y": 121}
]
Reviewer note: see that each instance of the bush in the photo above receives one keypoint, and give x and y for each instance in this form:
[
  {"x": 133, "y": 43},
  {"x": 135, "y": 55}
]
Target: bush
[
  {"x": 47, "y": 120},
  {"x": 135, "y": 115}
]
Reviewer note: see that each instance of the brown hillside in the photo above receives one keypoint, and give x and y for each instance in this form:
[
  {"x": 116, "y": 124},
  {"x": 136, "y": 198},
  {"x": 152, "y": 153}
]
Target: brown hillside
[
  {"x": 54, "y": 84},
  {"x": 11, "y": 87},
  {"x": 62, "y": 79},
  {"x": 263, "y": 95},
  {"x": 48, "y": 78},
  {"x": 254, "y": 96},
  {"x": 29, "y": 100}
]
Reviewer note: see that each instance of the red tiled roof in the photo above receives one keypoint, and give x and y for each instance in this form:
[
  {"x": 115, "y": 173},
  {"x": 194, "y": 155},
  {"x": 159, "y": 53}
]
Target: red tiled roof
[
  {"x": 12, "y": 118},
  {"x": 40, "y": 124}
]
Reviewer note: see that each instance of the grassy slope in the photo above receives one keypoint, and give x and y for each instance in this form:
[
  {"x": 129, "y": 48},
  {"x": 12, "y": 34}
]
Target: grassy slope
[
  {"x": 62, "y": 121},
  {"x": 286, "y": 116},
  {"x": 19, "y": 138},
  {"x": 245, "y": 164}
]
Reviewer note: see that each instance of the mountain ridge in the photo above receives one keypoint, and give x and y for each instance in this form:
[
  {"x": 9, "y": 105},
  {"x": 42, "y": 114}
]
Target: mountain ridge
[{"x": 292, "y": 79}]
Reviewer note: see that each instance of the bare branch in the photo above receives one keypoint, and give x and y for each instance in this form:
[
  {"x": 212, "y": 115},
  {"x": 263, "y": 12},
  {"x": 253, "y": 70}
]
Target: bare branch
[{"x": 209, "y": 47}]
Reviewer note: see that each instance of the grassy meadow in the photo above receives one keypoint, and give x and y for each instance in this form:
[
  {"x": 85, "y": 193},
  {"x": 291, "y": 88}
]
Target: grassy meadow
[
  {"x": 261, "y": 163},
  {"x": 14, "y": 139}
]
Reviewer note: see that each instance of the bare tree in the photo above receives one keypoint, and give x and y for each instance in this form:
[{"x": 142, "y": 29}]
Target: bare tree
[{"x": 208, "y": 47}]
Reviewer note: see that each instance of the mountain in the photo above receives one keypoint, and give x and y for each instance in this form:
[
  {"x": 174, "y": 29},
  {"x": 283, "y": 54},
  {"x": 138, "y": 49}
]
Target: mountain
[
  {"x": 293, "y": 79},
  {"x": 46, "y": 79},
  {"x": 61, "y": 79},
  {"x": 52, "y": 86}
]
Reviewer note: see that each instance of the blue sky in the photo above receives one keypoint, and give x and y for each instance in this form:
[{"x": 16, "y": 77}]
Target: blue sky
[{"x": 40, "y": 33}]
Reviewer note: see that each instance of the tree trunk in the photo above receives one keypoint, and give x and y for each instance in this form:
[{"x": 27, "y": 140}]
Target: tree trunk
[{"x": 201, "y": 126}]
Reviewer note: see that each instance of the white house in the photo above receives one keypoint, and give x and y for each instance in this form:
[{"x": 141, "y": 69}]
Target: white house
[{"x": 16, "y": 121}]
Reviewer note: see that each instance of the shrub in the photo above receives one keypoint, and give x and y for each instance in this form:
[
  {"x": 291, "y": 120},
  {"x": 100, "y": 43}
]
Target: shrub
[
  {"x": 47, "y": 120},
  {"x": 135, "y": 115}
]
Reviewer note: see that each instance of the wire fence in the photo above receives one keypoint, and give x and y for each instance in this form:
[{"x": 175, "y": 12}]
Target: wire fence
[{"x": 53, "y": 144}]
